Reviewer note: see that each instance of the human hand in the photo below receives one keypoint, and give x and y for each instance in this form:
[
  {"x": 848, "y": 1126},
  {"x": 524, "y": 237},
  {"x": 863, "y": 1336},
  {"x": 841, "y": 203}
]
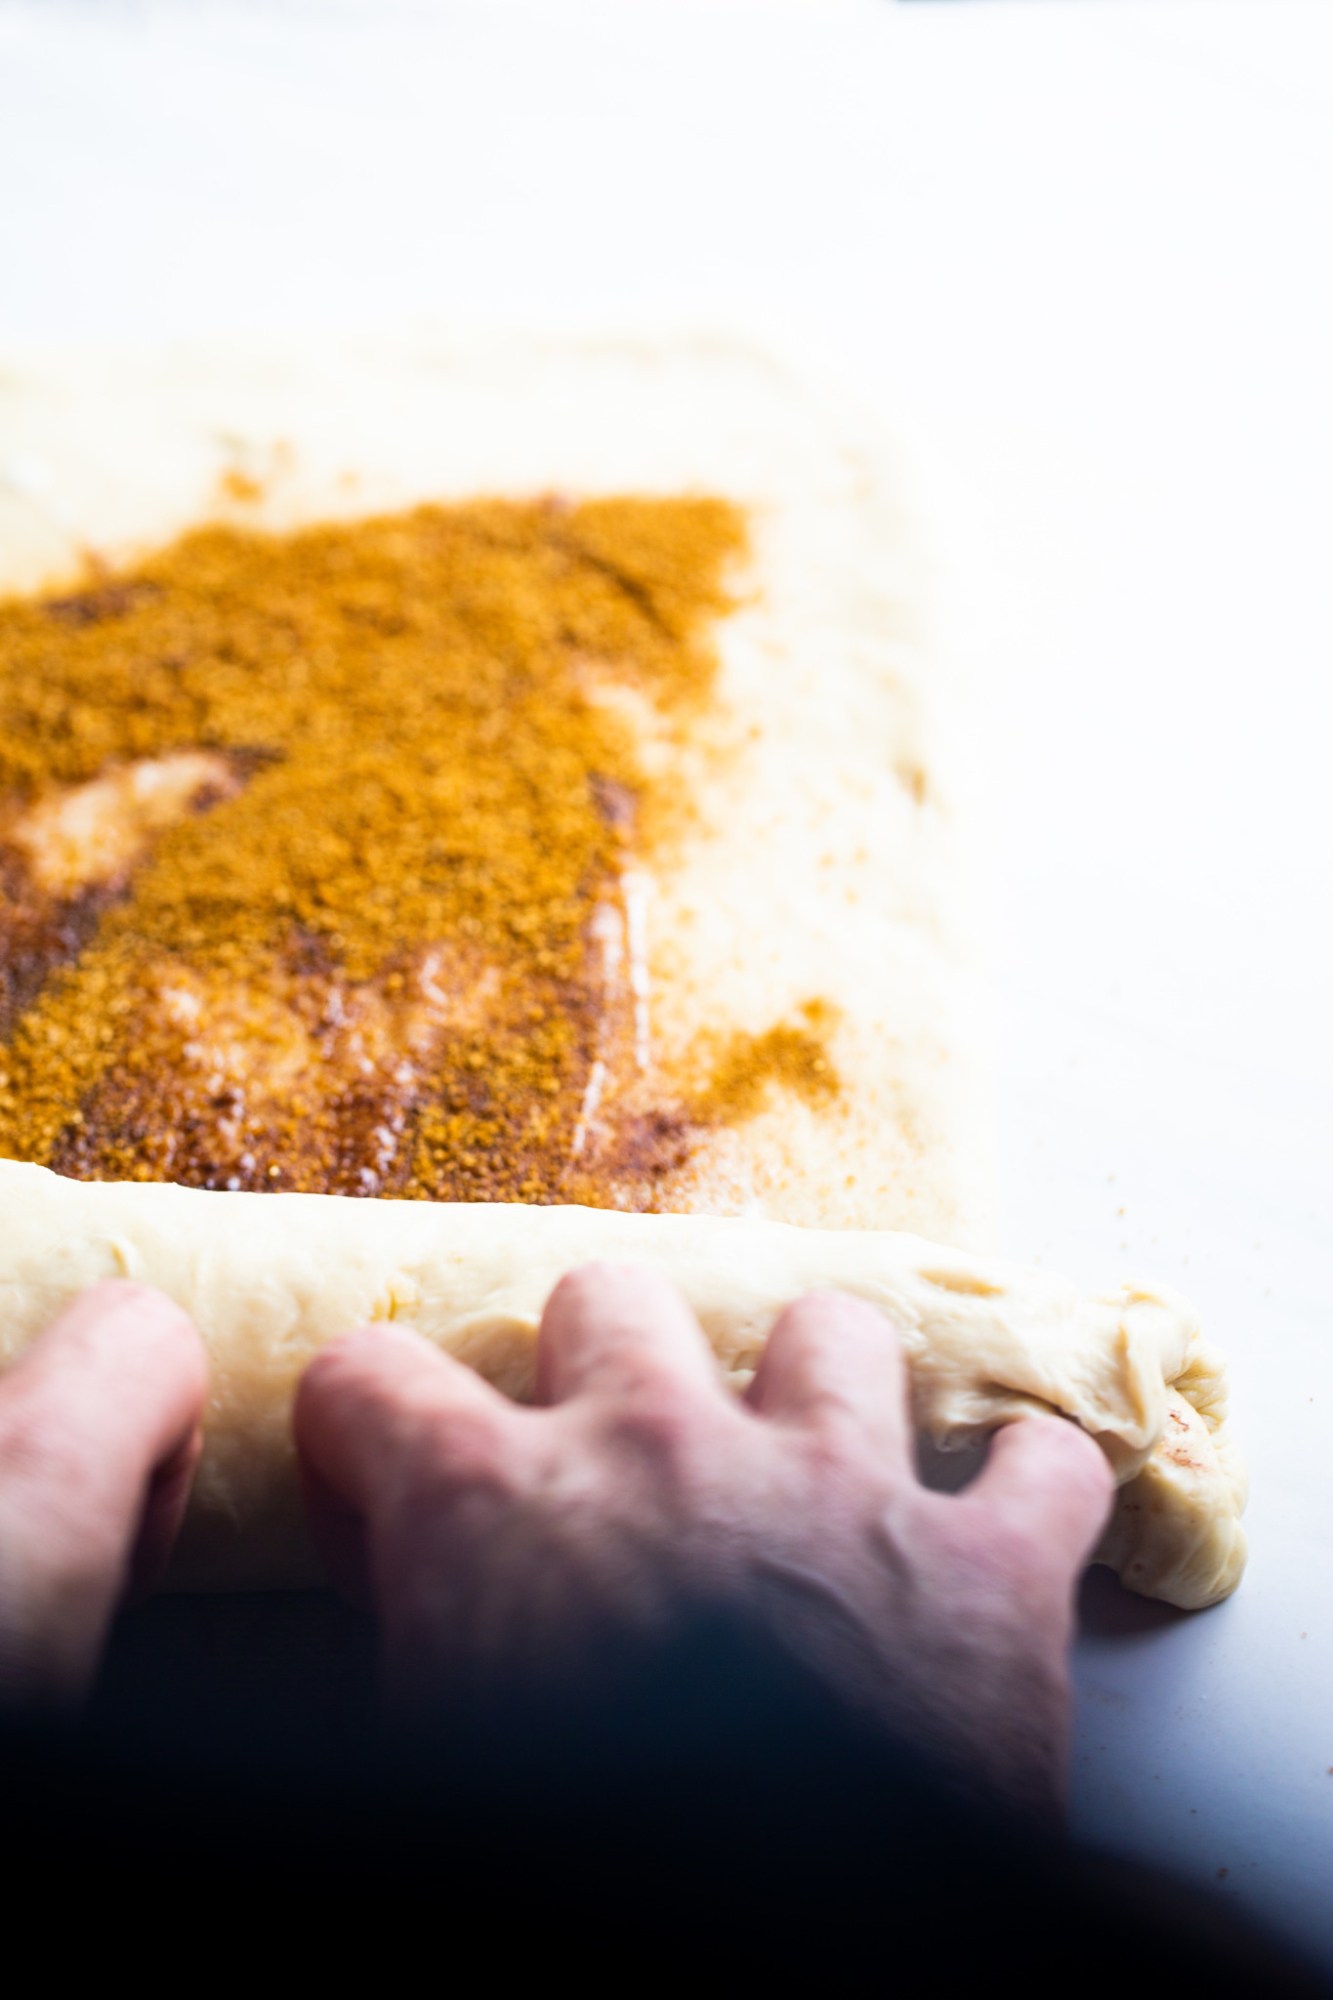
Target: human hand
[
  {"x": 490, "y": 1536},
  {"x": 99, "y": 1434}
]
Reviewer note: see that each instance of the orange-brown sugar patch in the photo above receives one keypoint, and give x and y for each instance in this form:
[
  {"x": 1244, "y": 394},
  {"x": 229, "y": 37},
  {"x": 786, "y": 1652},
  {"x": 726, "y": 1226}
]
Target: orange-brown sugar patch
[
  {"x": 243, "y": 487},
  {"x": 743, "y": 1069},
  {"x": 423, "y": 809}
]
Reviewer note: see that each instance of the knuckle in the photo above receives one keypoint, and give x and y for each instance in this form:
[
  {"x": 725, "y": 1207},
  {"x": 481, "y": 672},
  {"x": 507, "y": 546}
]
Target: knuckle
[
  {"x": 654, "y": 1420},
  {"x": 837, "y": 1426},
  {"x": 464, "y": 1453},
  {"x": 832, "y": 1443},
  {"x": 840, "y": 1451},
  {"x": 651, "y": 1422}
]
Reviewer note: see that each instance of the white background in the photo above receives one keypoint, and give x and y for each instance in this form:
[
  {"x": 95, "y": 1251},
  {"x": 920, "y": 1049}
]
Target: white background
[{"x": 1077, "y": 252}]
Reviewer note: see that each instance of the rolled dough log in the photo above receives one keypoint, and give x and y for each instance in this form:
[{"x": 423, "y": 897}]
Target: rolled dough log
[{"x": 268, "y": 1278}]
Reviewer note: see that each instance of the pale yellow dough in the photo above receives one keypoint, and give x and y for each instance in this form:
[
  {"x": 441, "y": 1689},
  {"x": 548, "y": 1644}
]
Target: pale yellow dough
[{"x": 268, "y": 1278}]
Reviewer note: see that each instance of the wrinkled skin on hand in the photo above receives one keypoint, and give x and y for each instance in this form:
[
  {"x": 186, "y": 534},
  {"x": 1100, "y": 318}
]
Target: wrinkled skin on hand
[
  {"x": 497, "y": 1542},
  {"x": 99, "y": 1435},
  {"x": 502, "y": 1546}
]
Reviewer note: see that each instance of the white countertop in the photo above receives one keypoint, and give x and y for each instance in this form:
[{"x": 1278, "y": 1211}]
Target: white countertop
[{"x": 1077, "y": 254}]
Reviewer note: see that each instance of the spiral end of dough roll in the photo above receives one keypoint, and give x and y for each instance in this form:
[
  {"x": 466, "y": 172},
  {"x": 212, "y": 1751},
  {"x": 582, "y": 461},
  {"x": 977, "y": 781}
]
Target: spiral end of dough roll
[{"x": 1176, "y": 1533}]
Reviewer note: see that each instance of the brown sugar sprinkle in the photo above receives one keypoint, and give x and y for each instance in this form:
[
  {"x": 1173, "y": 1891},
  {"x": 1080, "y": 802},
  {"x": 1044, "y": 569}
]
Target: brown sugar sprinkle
[
  {"x": 240, "y": 486},
  {"x": 363, "y": 959},
  {"x": 743, "y": 1068}
]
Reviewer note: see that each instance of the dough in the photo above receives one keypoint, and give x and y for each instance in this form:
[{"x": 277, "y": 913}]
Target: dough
[
  {"x": 816, "y": 870},
  {"x": 817, "y": 859},
  {"x": 268, "y": 1278}
]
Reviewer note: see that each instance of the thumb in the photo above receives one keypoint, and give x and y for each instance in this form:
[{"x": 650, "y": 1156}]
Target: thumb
[{"x": 1049, "y": 1484}]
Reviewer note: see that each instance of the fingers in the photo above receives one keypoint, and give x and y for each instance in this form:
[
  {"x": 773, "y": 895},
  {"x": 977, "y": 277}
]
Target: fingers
[
  {"x": 390, "y": 1434},
  {"x": 1046, "y": 1481},
  {"x": 834, "y": 1359},
  {"x": 99, "y": 1432},
  {"x": 615, "y": 1328},
  {"x": 371, "y": 1406},
  {"x": 163, "y": 1511}
]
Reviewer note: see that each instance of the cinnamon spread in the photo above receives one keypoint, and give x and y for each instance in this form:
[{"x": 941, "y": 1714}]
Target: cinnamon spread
[{"x": 318, "y": 855}]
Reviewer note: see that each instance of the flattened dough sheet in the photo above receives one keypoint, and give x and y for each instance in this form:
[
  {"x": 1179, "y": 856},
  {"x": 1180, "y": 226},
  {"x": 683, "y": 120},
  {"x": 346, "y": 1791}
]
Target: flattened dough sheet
[{"x": 818, "y": 859}]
